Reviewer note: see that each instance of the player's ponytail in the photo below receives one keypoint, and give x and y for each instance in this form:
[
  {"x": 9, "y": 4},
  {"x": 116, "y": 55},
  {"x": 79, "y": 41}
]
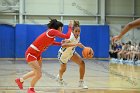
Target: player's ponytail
[
  {"x": 54, "y": 24},
  {"x": 76, "y": 24}
]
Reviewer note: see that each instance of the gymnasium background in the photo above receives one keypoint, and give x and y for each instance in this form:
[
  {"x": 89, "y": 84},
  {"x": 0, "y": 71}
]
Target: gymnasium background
[{"x": 21, "y": 21}]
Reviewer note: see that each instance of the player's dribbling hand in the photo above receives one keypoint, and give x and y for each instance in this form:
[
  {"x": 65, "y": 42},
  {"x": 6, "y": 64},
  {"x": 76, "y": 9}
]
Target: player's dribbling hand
[{"x": 79, "y": 44}]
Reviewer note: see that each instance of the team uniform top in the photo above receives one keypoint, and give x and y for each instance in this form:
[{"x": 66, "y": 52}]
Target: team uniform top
[
  {"x": 43, "y": 42},
  {"x": 48, "y": 38},
  {"x": 71, "y": 40}
]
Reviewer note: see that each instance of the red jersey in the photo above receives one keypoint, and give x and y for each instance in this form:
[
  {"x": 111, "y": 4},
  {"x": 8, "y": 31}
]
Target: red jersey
[
  {"x": 42, "y": 42},
  {"x": 48, "y": 38}
]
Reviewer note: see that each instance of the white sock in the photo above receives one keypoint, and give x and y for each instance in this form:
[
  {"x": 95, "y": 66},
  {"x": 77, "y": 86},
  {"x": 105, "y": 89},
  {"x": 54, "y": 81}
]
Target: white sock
[{"x": 21, "y": 80}]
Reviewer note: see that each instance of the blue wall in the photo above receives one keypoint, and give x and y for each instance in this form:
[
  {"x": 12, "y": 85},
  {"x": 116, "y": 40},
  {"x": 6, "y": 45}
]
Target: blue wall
[
  {"x": 19, "y": 38},
  {"x": 7, "y": 41},
  {"x": 96, "y": 37}
]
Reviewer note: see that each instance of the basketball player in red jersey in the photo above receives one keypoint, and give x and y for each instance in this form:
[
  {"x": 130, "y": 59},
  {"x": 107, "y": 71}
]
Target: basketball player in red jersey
[{"x": 33, "y": 53}]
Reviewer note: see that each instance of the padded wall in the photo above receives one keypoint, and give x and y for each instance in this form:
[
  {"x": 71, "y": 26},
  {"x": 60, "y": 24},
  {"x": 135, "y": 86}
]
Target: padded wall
[
  {"x": 15, "y": 41},
  {"x": 7, "y": 41}
]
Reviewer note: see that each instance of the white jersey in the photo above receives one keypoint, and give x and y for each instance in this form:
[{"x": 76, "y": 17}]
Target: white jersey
[
  {"x": 64, "y": 54},
  {"x": 72, "y": 40}
]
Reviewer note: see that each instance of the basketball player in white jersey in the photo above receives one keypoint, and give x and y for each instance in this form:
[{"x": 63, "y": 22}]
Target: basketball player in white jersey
[{"x": 67, "y": 52}]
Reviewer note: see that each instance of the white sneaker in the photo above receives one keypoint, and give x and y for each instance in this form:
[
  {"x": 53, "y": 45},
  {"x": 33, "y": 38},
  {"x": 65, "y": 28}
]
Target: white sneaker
[
  {"x": 121, "y": 60},
  {"x": 60, "y": 81},
  {"x": 112, "y": 60},
  {"x": 82, "y": 84},
  {"x": 138, "y": 61}
]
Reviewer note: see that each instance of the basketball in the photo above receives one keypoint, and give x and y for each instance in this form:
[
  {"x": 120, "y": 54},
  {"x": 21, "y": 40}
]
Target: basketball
[{"x": 87, "y": 52}]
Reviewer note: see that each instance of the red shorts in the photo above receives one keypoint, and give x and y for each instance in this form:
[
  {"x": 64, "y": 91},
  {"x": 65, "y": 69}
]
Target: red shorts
[{"x": 32, "y": 55}]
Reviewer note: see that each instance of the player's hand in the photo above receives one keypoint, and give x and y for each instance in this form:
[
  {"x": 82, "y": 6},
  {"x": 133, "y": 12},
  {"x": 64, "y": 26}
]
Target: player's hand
[
  {"x": 79, "y": 44},
  {"x": 116, "y": 38},
  {"x": 70, "y": 24},
  {"x": 65, "y": 41}
]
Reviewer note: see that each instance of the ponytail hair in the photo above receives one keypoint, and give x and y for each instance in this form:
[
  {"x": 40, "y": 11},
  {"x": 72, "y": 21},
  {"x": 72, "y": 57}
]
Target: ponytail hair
[
  {"x": 54, "y": 24},
  {"x": 76, "y": 24}
]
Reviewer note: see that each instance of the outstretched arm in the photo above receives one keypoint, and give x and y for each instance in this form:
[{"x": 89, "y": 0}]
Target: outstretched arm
[
  {"x": 81, "y": 45},
  {"x": 131, "y": 25},
  {"x": 128, "y": 27},
  {"x": 60, "y": 34},
  {"x": 67, "y": 44},
  {"x": 57, "y": 43}
]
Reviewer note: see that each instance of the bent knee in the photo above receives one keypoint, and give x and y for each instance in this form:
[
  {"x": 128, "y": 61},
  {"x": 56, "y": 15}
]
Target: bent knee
[
  {"x": 63, "y": 69},
  {"x": 82, "y": 63},
  {"x": 38, "y": 74}
]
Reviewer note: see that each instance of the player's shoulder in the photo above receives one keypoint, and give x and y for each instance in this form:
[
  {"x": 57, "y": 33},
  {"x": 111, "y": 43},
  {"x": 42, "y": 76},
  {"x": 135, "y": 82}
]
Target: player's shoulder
[{"x": 50, "y": 30}]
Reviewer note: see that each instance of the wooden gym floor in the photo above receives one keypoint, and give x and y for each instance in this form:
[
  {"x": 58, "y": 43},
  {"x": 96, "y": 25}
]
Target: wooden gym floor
[{"x": 101, "y": 77}]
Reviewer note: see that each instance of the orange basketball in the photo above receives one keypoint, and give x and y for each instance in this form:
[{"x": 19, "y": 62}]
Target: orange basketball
[{"x": 87, "y": 52}]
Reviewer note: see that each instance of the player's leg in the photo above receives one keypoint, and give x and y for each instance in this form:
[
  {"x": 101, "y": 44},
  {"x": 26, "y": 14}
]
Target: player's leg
[
  {"x": 63, "y": 59},
  {"x": 62, "y": 69},
  {"x": 78, "y": 60},
  {"x": 60, "y": 74},
  {"x": 37, "y": 75},
  {"x": 31, "y": 73},
  {"x": 20, "y": 81}
]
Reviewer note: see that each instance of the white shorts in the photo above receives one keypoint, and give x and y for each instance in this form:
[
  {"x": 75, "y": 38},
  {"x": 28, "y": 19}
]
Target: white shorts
[{"x": 64, "y": 57}]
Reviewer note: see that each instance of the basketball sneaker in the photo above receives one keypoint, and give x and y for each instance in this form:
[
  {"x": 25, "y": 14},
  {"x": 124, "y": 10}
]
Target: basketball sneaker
[
  {"x": 82, "y": 84},
  {"x": 60, "y": 81},
  {"x": 31, "y": 90},
  {"x": 20, "y": 84}
]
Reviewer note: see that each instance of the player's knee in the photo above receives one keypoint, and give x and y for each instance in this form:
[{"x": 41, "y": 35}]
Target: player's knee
[
  {"x": 39, "y": 74},
  {"x": 63, "y": 69},
  {"x": 82, "y": 63}
]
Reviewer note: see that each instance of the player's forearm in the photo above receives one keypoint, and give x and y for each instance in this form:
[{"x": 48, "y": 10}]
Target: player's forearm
[
  {"x": 68, "y": 45},
  {"x": 69, "y": 32},
  {"x": 129, "y": 26},
  {"x": 125, "y": 30},
  {"x": 82, "y": 46},
  {"x": 57, "y": 43}
]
